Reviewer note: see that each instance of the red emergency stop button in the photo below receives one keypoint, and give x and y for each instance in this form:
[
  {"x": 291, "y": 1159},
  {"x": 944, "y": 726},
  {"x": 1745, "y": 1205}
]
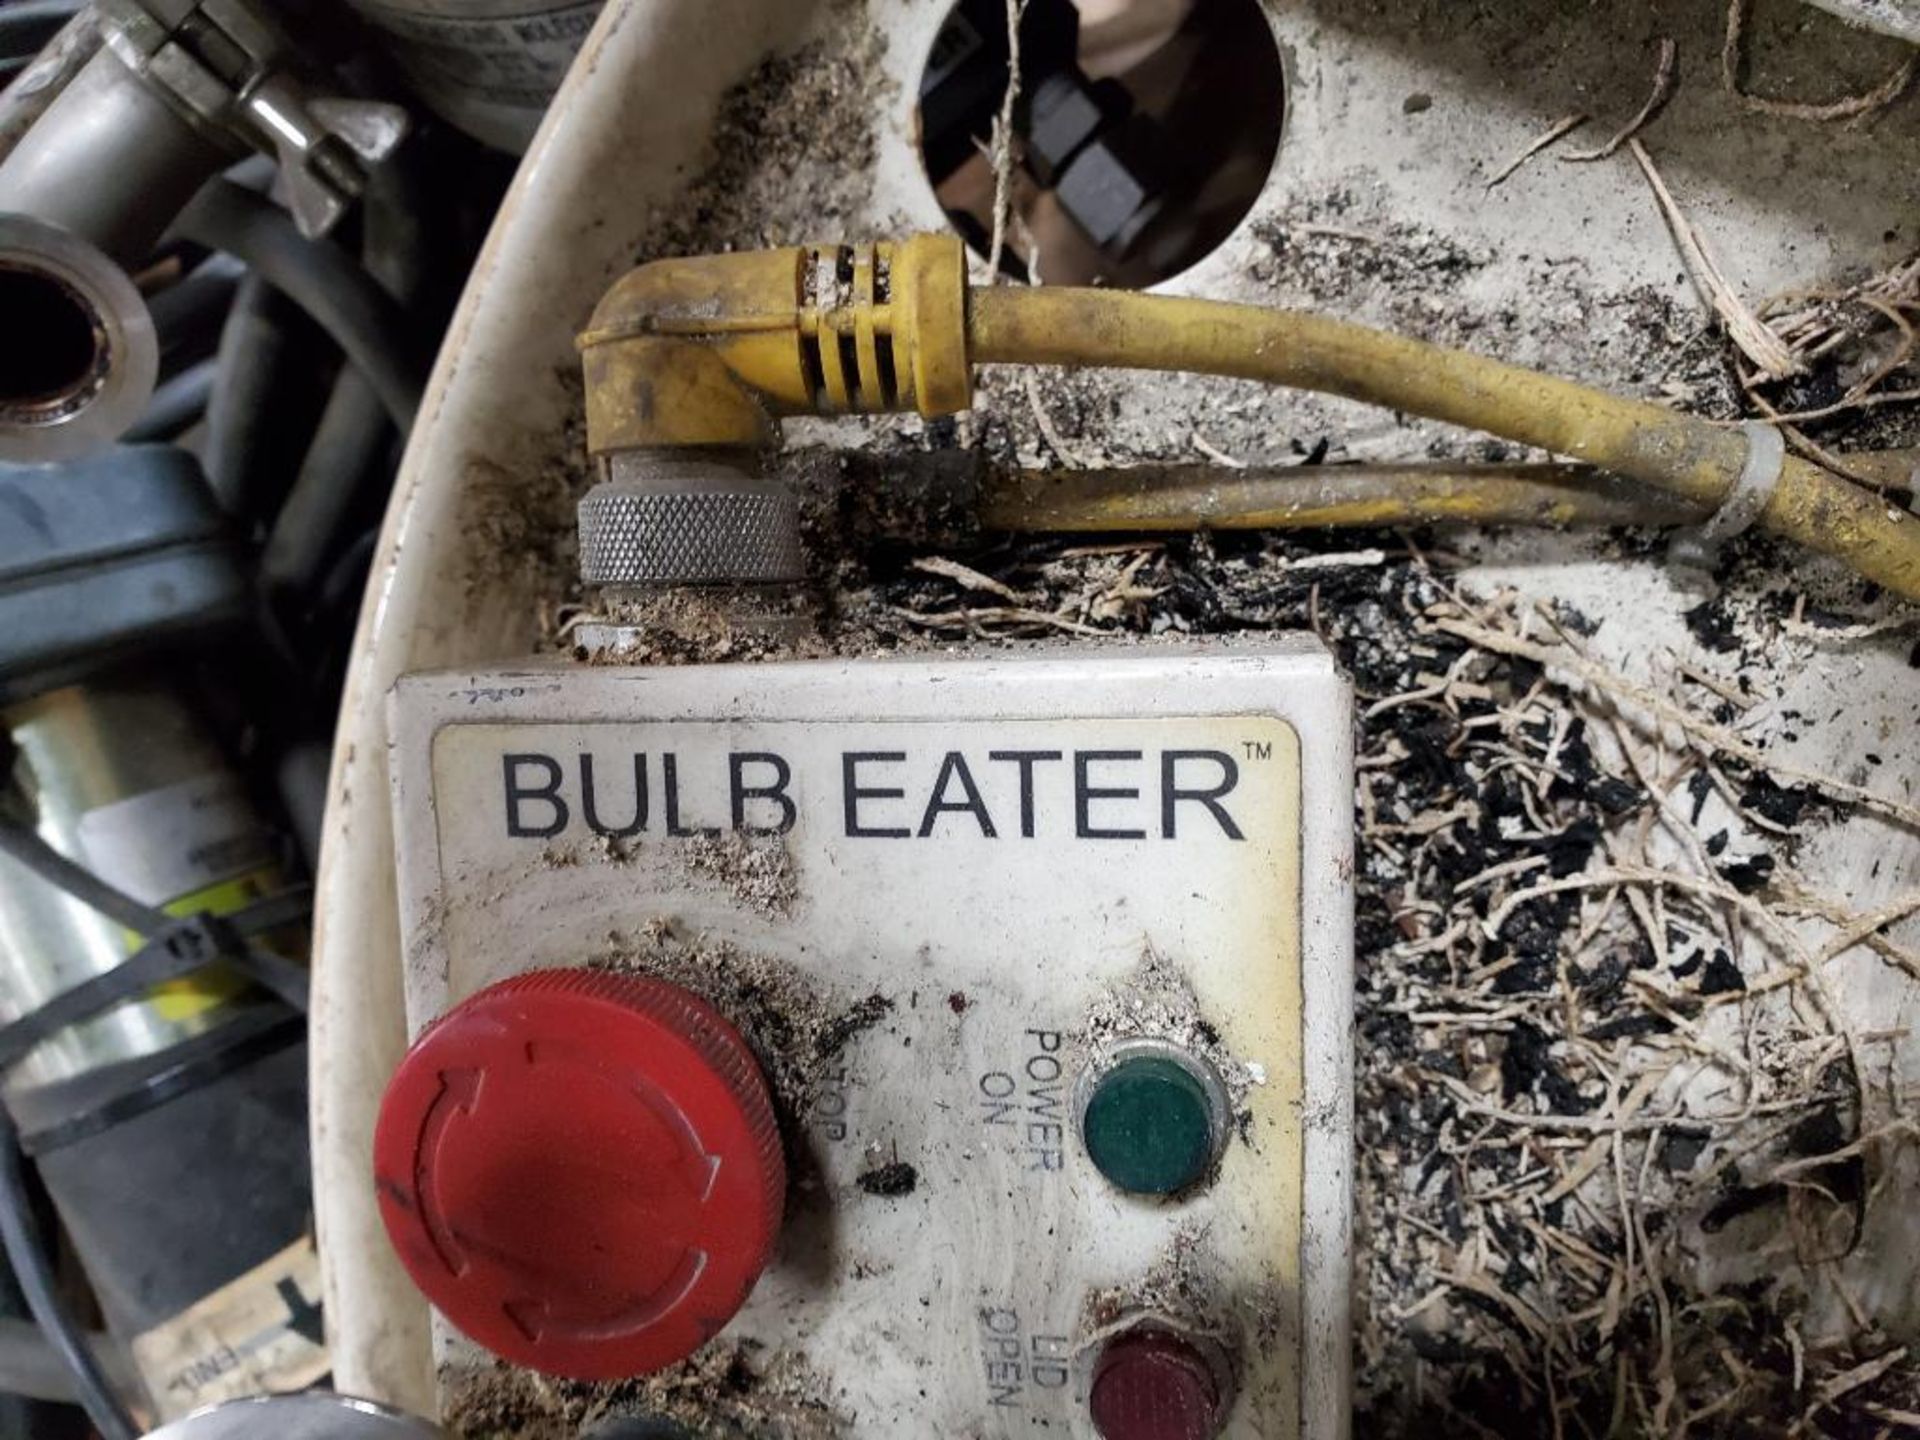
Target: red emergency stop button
[
  {"x": 1150, "y": 1384},
  {"x": 582, "y": 1171}
]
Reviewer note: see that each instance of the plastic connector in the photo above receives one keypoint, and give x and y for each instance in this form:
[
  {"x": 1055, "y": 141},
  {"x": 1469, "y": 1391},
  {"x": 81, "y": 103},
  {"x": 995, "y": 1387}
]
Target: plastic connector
[{"x": 714, "y": 350}]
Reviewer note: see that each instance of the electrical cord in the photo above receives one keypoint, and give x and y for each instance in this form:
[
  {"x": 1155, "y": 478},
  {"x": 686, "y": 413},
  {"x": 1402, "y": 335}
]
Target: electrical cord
[
  {"x": 1173, "y": 497},
  {"x": 34, "y": 1271},
  {"x": 738, "y": 340},
  {"x": 1688, "y": 458},
  {"x": 32, "y": 1369},
  {"x": 321, "y": 279}
]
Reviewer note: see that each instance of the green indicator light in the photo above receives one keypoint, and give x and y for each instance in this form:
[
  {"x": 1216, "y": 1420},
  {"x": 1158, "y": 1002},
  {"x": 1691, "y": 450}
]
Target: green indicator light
[{"x": 1149, "y": 1126}]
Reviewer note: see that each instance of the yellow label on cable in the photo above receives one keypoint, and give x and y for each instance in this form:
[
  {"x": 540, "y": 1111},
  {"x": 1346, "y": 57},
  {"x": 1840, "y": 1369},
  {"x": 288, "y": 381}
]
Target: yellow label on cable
[
  {"x": 195, "y": 994},
  {"x": 259, "y": 1335}
]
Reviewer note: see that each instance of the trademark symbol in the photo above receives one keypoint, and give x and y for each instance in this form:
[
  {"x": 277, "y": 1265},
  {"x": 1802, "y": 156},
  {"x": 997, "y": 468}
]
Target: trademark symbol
[{"x": 1258, "y": 749}]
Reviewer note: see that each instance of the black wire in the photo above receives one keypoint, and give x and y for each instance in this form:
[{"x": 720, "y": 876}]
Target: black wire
[
  {"x": 178, "y": 403},
  {"x": 189, "y": 314},
  {"x": 274, "y": 972},
  {"x": 24, "y": 844},
  {"x": 34, "y": 1271},
  {"x": 17, "y": 1231},
  {"x": 321, "y": 279},
  {"x": 265, "y": 389}
]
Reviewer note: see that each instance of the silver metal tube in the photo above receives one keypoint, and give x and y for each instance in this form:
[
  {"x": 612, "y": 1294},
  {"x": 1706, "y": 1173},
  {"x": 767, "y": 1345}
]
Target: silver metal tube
[
  {"x": 314, "y": 1415},
  {"x": 84, "y": 194},
  {"x": 27, "y": 96},
  {"x": 122, "y": 778},
  {"x": 109, "y": 161},
  {"x": 81, "y": 357}
]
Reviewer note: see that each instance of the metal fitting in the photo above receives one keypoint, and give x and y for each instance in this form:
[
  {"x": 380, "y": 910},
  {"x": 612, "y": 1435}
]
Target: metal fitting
[
  {"x": 176, "y": 92},
  {"x": 226, "y": 68},
  {"x": 689, "y": 366},
  {"x": 313, "y": 1415},
  {"x": 713, "y": 350},
  {"x": 689, "y": 518},
  {"x": 94, "y": 358}
]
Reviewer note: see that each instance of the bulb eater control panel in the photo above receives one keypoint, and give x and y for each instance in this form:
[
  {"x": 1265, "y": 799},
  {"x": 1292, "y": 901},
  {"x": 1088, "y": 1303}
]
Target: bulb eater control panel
[{"x": 954, "y": 1046}]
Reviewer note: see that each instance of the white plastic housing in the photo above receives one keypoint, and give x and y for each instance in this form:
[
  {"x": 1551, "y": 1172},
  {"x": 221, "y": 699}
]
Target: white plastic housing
[{"x": 1120, "y": 895}]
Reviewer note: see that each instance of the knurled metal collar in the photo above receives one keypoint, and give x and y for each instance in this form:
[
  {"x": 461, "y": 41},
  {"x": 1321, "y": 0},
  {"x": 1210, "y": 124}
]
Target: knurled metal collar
[{"x": 659, "y": 520}]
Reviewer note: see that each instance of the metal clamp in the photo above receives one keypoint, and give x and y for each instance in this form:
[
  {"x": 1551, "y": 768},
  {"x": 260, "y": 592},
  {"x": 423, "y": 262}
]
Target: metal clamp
[
  {"x": 227, "y": 70},
  {"x": 1744, "y": 503}
]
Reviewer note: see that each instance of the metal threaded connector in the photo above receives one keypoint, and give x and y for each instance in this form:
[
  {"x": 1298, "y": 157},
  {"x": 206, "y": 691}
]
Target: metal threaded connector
[{"x": 678, "y": 520}]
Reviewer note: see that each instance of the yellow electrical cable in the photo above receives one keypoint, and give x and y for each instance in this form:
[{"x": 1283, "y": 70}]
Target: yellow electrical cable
[
  {"x": 1690, "y": 458},
  {"x": 714, "y": 350},
  {"x": 1161, "y": 498}
]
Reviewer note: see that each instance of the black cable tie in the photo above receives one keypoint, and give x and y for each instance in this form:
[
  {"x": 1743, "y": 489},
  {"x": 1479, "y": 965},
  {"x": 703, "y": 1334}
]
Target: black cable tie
[{"x": 180, "y": 948}]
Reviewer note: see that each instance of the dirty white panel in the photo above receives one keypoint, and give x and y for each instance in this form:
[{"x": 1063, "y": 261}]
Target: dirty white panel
[
  {"x": 931, "y": 969},
  {"x": 1894, "y": 17}
]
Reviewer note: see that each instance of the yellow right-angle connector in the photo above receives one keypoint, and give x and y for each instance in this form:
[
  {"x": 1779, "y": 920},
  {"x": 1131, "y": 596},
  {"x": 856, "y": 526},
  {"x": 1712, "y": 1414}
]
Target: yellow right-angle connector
[{"x": 712, "y": 351}]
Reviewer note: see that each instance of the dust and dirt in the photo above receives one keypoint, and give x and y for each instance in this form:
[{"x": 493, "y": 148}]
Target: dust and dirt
[
  {"x": 755, "y": 870},
  {"x": 1502, "y": 995},
  {"x": 683, "y": 626},
  {"x": 727, "y": 1390},
  {"x": 1182, "y": 1290},
  {"x": 888, "y": 1179},
  {"x": 1340, "y": 252},
  {"x": 518, "y": 522},
  {"x": 793, "y": 149},
  {"x": 1174, "y": 1288},
  {"x": 789, "y": 1021},
  {"x": 1584, "y": 1040}
]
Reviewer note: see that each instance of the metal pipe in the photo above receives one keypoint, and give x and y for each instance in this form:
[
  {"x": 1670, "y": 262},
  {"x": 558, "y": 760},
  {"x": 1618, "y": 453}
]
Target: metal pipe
[
  {"x": 91, "y": 366},
  {"x": 110, "y": 161},
  {"x": 28, "y": 94},
  {"x": 84, "y": 194}
]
